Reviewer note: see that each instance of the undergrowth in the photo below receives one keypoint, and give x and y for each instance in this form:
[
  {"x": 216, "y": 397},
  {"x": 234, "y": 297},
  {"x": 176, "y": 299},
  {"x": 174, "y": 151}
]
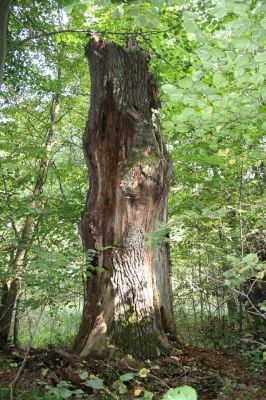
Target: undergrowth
[
  {"x": 57, "y": 327},
  {"x": 224, "y": 335}
]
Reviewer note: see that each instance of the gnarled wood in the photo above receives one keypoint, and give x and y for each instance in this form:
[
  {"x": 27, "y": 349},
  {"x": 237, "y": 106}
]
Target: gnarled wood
[{"x": 130, "y": 304}]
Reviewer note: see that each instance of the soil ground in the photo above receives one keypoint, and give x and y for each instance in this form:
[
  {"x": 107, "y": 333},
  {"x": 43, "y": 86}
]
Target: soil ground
[{"x": 215, "y": 375}]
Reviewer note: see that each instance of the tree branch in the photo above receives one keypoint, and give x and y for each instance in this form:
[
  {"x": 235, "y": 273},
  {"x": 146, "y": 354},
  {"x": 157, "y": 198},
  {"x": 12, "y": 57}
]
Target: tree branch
[{"x": 88, "y": 31}]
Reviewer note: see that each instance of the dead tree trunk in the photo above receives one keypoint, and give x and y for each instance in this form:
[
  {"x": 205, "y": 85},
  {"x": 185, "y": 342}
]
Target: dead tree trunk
[{"x": 130, "y": 304}]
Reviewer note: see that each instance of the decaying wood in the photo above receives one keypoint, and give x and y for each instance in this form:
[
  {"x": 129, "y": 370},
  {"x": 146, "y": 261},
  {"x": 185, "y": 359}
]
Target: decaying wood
[{"x": 130, "y": 304}]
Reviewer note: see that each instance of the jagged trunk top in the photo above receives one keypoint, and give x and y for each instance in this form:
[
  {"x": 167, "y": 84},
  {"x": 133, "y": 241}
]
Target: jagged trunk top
[{"x": 130, "y": 303}]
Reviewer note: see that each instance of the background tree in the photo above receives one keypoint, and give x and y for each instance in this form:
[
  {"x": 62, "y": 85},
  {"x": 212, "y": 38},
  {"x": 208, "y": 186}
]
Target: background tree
[{"x": 4, "y": 11}]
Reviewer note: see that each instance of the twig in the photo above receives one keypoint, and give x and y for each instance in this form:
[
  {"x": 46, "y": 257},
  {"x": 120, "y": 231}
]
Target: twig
[{"x": 246, "y": 296}]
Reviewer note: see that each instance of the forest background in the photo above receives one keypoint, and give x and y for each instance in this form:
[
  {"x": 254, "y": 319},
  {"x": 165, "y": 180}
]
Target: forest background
[{"x": 208, "y": 59}]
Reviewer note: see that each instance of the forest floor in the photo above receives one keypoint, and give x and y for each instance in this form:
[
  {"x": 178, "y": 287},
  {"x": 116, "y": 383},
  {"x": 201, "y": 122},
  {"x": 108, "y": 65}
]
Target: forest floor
[{"x": 215, "y": 375}]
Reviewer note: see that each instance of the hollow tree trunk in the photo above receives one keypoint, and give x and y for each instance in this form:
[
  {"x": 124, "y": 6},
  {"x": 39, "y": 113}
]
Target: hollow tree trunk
[
  {"x": 12, "y": 287},
  {"x": 130, "y": 303}
]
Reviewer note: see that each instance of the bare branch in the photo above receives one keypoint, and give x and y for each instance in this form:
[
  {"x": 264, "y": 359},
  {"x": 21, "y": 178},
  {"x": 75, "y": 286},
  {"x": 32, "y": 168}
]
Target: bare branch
[{"x": 88, "y": 32}]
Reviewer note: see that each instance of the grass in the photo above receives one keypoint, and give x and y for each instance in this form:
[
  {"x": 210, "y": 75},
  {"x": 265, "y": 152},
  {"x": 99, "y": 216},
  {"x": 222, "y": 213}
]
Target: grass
[
  {"x": 57, "y": 327},
  {"x": 33, "y": 394}
]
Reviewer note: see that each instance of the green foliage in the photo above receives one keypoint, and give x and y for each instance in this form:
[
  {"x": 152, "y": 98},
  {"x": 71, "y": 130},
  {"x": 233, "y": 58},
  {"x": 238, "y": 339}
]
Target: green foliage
[
  {"x": 127, "y": 377},
  {"x": 208, "y": 60},
  {"x": 63, "y": 390},
  {"x": 244, "y": 268},
  {"x": 33, "y": 394},
  {"x": 94, "y": 383},
  {"x": 181, "y": 393}
]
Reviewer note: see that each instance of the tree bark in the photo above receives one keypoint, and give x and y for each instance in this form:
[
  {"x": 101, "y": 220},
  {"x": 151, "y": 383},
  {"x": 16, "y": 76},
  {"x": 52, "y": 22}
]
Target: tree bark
[
  {"x": 12, "y": 287},
  {"x": 4, "y": 11},
  {"x": 17, "y": 322},
  {"x": 129, "y": 305}
]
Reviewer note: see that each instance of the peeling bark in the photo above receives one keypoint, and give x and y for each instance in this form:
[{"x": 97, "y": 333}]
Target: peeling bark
[{"x": 130, "y": 304}]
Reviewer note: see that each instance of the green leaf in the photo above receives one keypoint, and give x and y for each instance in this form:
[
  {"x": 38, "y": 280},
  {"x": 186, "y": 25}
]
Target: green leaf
[
  {"x": 186, "y": 83},
  {"x": 242, "y": 60},
  {"x": 120, "y": 386},
  {"x": 127, "y": 377},
  {"x": 260, "y": 57},
  {"x": 169, "y": 89},
  {"x": 263, "y": 22},
  {"x": 147, "y": 395},
  {"x": 65, "y": 393},
  {"x": 95, "y": 383},
  {"x": 141, "y": 21},
  {"x": 84, "y": 375},
  {"x": 251, "y": 259},
  {"x": 78, "y": 393},
  {"x": 173, "y": 92},
  {"x": 219, "y": 80},
  {"x": 204, "y": 52},
  {"x": 219, "y": 12},
  {"x": 134, "y": 11},
  {"x": 244, "y": 44},
  {"x": 69, "y": 7},
  {"x": 103, "y": 3},
  {"x": 181, "y": 393}
]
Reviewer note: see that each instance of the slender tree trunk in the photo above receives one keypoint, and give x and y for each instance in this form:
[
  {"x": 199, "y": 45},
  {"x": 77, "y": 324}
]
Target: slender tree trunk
[
  {"x": 12, "y": 287},
  {"x": 17, "y": 321},
  {"x": 193, "y": 300},
  {"x": 201, "y": 294},
  {"x": 4, "y": 11},
  {"x": 128, "y": 305}
]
